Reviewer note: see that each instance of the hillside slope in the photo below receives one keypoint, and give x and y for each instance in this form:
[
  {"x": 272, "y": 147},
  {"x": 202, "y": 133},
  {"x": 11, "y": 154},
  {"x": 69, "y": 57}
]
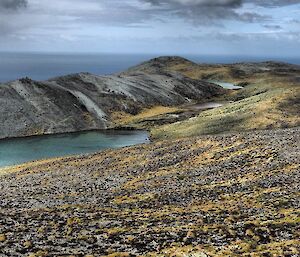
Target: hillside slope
[
  {"x": 84, "y": 101},
  {"x": 225, "y": 195},
  {"x": 269, "y": 98}
]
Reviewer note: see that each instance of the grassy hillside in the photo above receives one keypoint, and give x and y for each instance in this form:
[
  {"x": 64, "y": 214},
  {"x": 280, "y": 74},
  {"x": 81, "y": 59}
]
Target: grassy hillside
[
  {"x": 269, "y": 99},
  {"x": 228, "y": 195}
]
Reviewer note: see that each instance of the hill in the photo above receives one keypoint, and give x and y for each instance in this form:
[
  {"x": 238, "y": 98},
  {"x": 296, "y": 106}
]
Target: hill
[
  {"x": 153, "y": 96},
  {"x": 269, "y": 98},
  {"x": 84, "y": 101}
]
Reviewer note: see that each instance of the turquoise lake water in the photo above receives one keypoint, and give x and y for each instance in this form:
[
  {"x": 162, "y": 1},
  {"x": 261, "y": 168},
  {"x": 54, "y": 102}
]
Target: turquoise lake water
[{"x": 21, "y": 150}]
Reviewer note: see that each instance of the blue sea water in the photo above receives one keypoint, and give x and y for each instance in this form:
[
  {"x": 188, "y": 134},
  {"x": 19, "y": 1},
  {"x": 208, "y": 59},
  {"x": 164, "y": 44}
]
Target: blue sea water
[{"x": 42, "y": 66}]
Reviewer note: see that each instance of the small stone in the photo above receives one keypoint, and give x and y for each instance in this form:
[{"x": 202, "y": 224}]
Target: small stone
[
  {"x": 2, "y": 238},
  {"x": 190, "y": 235},
  {"x": 27, "y": 244}
]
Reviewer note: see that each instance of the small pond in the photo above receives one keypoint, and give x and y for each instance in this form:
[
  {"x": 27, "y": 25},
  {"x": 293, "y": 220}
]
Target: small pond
[
  {"x": 226, "y": 85},
  {"x": 205, "y": 106}
]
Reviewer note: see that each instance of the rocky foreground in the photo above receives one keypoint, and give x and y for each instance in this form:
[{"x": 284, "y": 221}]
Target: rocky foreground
[{"x": 223, "y": 195}]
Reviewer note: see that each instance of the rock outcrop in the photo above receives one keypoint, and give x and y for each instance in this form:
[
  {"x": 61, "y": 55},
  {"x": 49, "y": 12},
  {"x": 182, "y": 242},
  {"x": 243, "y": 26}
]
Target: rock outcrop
[{"x": 84, "y": 101}]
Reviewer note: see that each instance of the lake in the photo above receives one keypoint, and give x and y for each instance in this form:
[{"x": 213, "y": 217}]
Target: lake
[{"x": 21, "y": 150}]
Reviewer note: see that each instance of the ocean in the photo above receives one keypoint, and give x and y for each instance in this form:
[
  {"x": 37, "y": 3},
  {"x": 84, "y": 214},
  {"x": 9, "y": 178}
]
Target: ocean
[{"x": 42, "y": 66}]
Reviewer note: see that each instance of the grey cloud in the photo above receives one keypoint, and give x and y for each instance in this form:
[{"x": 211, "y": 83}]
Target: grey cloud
[
  {"x": 207, "y": 11},
  {"x": 223, "y": 3},
  {"x": 12, "y": 4},
  {"x": 253, "y": 17},
  {"x": 272, "y": 27},
  {"x": 295, "y": 21},
  {"x": 10, "y": 19},
  {"x": 123, "y": 15},
  {"x": 274, "y": 3},
  {"x": 55, "y": 17},
  {"x": 247, "y": 37}
]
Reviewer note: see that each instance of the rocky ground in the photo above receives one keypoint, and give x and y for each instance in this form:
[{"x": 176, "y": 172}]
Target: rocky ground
[{"x": 224, "y": 195}]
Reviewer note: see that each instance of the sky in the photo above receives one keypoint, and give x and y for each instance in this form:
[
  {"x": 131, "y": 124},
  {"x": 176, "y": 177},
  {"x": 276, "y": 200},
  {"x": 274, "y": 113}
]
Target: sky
[{"x": 210, "y": 27}]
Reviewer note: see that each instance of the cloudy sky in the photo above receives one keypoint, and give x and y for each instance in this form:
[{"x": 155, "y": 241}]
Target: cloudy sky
[{"x": 212, "y": 27}]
